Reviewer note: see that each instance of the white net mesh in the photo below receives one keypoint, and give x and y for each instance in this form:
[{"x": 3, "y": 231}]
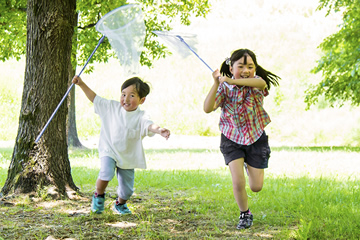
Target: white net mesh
[
  {"x": 183, "y": 44},
  {"x": 175, "y": 42},
  {"x": 125, "y": 29}
]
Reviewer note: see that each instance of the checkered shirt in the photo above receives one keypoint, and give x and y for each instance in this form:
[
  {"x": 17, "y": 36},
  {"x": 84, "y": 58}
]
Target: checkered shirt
[{"x": 243, "y": 117}]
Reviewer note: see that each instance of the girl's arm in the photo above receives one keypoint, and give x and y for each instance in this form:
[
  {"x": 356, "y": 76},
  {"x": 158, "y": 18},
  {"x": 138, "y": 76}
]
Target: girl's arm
[
  {"x": 249, "y": 82},
  {"x": 209, "y": 103},
  {"x": 159, "y": 130},
  {"x": 90, "y": 94}
]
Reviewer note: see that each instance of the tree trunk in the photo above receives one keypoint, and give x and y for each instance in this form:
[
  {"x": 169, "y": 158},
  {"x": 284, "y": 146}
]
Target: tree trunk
[
  {"x": 50, "y": 27},
  {"x": 73, "y": 139}
]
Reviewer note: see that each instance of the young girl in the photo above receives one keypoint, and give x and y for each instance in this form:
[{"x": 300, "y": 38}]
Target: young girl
[
  {"x": 123, "y": 126},
  {"x": 242, "y": 123}
]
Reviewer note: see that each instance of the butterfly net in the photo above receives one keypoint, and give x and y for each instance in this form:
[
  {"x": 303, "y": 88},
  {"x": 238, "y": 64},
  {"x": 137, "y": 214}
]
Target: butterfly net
[
  {"x": 181, "y": 43},
  {"x": 125, "y": 29}
]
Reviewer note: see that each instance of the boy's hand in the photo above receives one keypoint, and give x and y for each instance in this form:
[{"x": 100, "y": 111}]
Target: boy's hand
[
  {"x": 90, "y": 94},
  {"x": 165, "y": 133},
  {"x": 76, "y": 80}
]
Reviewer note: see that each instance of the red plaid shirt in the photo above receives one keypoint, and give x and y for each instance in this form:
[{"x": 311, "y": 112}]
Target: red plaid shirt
[{"x": 243, "y": 117}]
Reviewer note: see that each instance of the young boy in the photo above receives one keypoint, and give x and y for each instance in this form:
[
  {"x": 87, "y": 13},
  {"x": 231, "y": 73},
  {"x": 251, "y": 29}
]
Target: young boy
[{"x": 123, "y": 126}]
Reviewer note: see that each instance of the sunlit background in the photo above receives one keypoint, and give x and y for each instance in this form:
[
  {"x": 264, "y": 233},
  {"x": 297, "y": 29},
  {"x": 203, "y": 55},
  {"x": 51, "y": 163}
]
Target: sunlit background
[{"x": 283, "y": 34}]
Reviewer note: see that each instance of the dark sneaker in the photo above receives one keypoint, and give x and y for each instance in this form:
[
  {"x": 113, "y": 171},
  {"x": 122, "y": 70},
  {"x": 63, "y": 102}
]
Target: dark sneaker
[
  {"x": 121, "y": 209},
  {"x": 97, "y": 205},
  {"x": 246, "y": 220}
]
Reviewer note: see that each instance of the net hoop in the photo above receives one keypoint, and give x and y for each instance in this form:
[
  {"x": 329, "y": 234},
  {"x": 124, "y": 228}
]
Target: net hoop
[
  {"x": 175, "y": 41},
  {"x": 101, "y": 24},
  {"x": 125, "y": 29},
  {"x": 174, "y": 34}
]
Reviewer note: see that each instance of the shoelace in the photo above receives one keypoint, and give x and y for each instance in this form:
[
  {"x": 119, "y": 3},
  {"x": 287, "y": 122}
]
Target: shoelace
[{"x": 242, "y": 215}]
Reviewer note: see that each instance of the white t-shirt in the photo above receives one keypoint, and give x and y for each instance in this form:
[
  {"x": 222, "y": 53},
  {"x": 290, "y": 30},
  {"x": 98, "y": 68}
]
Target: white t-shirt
[{"x": 121, "y": 133}]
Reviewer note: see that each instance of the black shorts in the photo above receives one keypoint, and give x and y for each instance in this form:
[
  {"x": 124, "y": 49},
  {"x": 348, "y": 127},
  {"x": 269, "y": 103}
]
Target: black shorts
[{"x": 256, "y": 155}]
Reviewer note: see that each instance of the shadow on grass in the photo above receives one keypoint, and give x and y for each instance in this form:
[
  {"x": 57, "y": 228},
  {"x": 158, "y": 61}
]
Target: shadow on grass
[
  {"x": 277, "y": 149},
  {"x": 317, "y": 148},
  {"x": 194, "y": 204},
  {"x": 7, "y": 152}
]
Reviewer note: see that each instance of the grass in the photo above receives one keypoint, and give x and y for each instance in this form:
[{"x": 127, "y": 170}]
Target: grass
[{"x": 309, "y": 196}]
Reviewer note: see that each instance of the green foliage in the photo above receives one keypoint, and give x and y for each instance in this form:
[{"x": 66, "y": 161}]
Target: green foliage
[
  {"x": 179, "y": 86},
  {"x": 12, "y": 29},
  {"x": 159, "y": 15},
  {"x": 340, "y": 64}
]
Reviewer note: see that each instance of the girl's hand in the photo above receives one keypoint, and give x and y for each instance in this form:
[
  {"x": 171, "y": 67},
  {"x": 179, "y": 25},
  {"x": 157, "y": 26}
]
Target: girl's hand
[
  {"x": 216, "y": 75},
  {"x": 226, "y": 79},
  {"x": 164, "y": 133}
]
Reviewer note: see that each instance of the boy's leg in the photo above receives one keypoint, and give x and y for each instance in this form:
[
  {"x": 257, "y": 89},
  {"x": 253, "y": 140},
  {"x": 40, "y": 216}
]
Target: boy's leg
[
  {"x": 125, "y": 189},
  {"x": 126, "y": 183},
  {"x": 107, "y": 172},
  {"x": 101, "y": 186},
  {"x": 239, "y": 182},
  {"x": 105, "y": 175}
]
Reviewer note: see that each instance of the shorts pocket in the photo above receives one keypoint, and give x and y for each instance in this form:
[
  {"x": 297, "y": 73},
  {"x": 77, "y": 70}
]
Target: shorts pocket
[{"x": 266, "y": 148}]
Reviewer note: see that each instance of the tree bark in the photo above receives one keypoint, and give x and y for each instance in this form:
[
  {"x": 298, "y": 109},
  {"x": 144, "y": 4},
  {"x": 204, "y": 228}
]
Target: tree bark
[
  {"x": 73, "y": 139},
  {"x": 50, "y": 27}
]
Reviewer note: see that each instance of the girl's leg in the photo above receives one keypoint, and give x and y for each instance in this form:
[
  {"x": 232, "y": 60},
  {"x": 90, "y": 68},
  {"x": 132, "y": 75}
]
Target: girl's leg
[
  {"x": 239, "y": 182},
  {"x": 256, "y": 178}
]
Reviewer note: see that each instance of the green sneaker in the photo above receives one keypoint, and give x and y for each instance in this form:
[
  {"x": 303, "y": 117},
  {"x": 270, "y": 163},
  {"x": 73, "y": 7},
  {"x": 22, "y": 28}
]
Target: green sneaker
[
  {"x": 97, "y": 205},
  {"x": 121, "y": 209}
]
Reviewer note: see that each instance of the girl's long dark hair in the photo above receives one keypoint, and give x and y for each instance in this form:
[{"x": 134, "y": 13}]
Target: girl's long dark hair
[{"x": 270, "y": 78}]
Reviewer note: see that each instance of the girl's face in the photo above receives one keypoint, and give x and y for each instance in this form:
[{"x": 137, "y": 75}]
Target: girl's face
[
  {"x": 130, "y": 99},
  {"x": 243, "y": 68}
]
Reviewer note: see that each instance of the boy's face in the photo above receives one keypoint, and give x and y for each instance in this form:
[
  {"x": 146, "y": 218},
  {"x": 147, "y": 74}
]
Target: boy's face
[
  {"x": 130, "y": 99},
  {"x": 242, "y": 68}
]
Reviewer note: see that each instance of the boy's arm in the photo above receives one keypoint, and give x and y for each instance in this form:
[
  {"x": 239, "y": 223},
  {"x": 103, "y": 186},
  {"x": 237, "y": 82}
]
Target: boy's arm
[
  {"x": 159, "y": 130},
  {"x": 90, "y": 94}
]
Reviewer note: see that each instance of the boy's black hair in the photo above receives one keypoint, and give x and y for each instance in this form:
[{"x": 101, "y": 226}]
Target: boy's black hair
[
  {"x": 269, "y": 77},
  {"x": 142, "y": 88}
]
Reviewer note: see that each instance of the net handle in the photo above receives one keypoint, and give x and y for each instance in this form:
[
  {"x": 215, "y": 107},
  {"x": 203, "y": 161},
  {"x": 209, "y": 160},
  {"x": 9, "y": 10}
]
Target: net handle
[
  {"x": 188, "y": 46},
  {"x": 67, "y": 92}
]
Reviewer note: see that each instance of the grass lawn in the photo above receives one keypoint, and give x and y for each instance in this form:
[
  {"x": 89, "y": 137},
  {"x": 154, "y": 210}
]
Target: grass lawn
[{"x": 309, "y": 193}]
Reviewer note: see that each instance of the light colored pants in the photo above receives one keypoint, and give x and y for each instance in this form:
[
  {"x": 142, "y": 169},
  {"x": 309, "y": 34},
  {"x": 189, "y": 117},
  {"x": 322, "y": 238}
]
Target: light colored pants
[{"x": 125, "y": 177}]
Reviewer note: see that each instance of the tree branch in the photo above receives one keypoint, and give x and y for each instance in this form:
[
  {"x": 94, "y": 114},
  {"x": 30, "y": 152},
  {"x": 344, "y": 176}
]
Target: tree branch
[{"x": 88, "y": 26}]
